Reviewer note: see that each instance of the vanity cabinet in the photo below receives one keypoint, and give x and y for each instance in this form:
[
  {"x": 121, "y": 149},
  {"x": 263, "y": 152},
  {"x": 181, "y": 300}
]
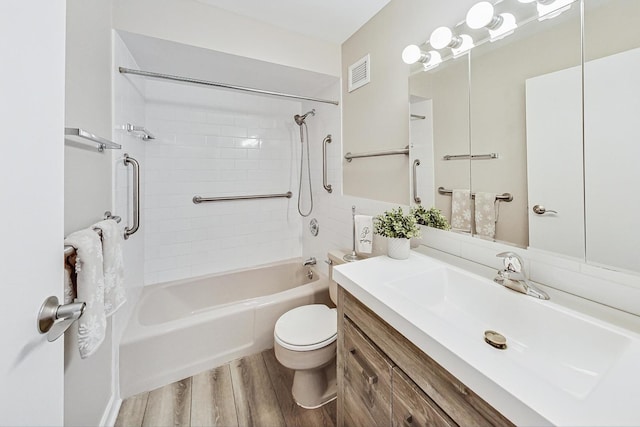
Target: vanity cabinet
[{"x": 385, "y": 380}]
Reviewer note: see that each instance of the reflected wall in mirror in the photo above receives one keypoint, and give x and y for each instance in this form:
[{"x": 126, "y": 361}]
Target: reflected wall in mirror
[
  {"x": 441, "y": 96},
  {"x": 611, "y": 134},
  {"x": 501, "y": 122}
]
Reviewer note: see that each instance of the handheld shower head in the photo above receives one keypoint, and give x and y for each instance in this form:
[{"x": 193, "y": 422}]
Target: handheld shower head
[{"x": 300, "y": 118}]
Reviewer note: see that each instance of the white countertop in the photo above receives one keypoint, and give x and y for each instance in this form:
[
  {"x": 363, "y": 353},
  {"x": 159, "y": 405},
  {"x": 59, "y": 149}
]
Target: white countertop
[{"x": 505, "y": 379}]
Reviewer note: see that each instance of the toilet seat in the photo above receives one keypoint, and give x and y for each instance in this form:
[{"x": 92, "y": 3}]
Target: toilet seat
[{"x": 307, "y": 328}]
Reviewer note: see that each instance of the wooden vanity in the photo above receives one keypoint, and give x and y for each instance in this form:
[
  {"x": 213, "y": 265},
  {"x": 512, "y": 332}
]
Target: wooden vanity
[{"x": 385, "y": 380}]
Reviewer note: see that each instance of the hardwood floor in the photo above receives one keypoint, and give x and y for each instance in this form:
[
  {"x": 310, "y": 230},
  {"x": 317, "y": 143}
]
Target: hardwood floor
[{"x": 252, "y": 391}]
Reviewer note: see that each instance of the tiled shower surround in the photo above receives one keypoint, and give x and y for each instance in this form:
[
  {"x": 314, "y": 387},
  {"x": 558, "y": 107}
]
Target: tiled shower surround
[{"x": 218, "y": 143}]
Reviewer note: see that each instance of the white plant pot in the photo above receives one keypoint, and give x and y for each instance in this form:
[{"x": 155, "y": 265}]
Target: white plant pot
[{"x": 398, "y": 248}]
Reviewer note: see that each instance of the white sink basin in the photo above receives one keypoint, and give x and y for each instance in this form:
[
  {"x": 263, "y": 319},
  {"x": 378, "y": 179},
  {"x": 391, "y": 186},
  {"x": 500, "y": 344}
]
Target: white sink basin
[
  {"x": 560, "y": 367},
  {"x": 555, "y": 344}
]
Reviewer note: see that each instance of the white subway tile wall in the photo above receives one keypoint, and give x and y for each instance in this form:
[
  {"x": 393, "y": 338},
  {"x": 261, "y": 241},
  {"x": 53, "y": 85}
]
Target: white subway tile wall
[
  {"x": 129, "y": 107},
  {"x": 218, "y": 143}
]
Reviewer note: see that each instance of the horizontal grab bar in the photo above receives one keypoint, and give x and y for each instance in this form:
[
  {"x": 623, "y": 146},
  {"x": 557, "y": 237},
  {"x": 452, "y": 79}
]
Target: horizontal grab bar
[
  {"x": 470, "y": 156},
  {"x": 350, "y": 156},
  {"x": 198, "y": 199},
  {"x": 504, "y": 197}
]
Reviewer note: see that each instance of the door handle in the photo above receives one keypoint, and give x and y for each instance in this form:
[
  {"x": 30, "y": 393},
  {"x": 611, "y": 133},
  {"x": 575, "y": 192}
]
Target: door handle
[
  {"x": 541, "y": 210},
  {"x": 56, "y": 319}
]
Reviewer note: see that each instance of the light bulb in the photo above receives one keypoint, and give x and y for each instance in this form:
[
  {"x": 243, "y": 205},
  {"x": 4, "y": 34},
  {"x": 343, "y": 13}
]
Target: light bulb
[
  {"x": 411, "y": 54},
  {"x": 442, "y": 37},
  {"x": 481, "y": 15}
]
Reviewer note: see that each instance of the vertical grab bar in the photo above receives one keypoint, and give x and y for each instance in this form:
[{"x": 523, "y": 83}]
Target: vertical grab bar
[
  {"x": 416, "y": 199},
  {"x": 325, "y": 141},
  {"x": 128, "y": 231}
]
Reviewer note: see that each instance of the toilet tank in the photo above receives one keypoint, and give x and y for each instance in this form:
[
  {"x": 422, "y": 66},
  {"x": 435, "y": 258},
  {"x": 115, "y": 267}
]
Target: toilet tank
[{"x": 336, "y": 259}]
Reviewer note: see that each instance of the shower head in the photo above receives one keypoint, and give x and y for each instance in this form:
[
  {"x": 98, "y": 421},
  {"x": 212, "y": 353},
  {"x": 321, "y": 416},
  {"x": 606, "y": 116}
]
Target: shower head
[{"x": 300, "y": 118}]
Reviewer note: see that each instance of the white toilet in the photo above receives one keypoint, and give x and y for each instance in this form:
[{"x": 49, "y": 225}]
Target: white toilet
[{"x": 305, "y": 341}]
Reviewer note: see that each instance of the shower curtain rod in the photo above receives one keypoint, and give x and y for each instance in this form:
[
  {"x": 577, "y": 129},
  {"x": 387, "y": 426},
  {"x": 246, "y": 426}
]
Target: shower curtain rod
[{"x": 124, "y": 70}]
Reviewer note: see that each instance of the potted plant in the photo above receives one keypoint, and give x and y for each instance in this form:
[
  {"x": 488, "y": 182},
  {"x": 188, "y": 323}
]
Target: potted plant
[
  {"x": 431, "y": 218},
  {"x": 398, "y": 228}
]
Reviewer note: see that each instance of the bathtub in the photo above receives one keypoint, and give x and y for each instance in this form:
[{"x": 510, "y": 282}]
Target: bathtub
[{"x": 188, "y": 326}]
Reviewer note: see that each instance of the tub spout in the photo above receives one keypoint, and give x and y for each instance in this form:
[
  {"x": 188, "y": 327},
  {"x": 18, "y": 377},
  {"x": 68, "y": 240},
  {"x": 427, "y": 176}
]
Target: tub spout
[{"x": 310, "y": 261}]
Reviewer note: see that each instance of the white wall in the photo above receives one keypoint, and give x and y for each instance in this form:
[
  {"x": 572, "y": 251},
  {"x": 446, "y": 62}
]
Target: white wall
[
  {"x": 218, "y": 143},
  {"x": 197, "y": 24},
  {"x": 88, "y": 174},
  {"x": 128, "y": 107}
]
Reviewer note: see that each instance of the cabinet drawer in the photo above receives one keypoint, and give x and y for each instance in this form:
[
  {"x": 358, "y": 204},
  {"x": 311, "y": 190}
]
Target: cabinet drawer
[
  {"x": 367, "y": 381},
  {"x": 411, "y": 407}
]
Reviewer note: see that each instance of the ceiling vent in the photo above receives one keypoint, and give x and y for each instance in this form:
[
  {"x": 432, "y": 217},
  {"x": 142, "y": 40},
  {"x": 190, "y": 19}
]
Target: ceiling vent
[{"x": 359, "y": 73}]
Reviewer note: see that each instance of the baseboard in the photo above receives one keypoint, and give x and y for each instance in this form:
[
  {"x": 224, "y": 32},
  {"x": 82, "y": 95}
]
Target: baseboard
[{"x": 111, "y": 412}]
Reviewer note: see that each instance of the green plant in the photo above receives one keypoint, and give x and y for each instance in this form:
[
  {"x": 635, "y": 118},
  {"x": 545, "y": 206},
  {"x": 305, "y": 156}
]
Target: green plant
[
  {"x": 395, "y": 224},
  {"x": 431, "y": 218}
]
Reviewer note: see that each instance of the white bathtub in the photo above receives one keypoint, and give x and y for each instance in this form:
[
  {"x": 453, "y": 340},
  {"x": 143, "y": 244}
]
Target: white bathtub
[{"x": 184, "y": 327}]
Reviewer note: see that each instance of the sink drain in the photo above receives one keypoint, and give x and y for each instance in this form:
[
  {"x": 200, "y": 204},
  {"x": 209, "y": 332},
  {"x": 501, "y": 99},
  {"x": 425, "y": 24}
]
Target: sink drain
[{"x": 495, "y": 339}]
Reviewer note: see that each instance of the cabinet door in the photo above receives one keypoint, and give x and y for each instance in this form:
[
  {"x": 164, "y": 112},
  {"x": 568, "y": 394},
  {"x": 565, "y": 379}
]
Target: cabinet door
[
  {"x": 367, "y": 381},
  {"x": 411, "y": 407}
]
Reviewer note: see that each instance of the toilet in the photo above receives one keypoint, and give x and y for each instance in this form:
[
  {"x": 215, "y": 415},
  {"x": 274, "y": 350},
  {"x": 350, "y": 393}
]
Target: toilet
[{"x": 305, "y": 340}]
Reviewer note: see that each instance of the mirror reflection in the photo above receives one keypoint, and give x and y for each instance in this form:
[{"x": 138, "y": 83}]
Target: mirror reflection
[
  {"x": 439, "y": 125},
  {"x": 570, "y": 190}
]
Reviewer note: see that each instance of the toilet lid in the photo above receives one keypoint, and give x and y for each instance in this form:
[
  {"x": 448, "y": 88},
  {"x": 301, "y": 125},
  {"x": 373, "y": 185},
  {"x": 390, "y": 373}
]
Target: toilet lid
[{"x": 307, "y": 328}]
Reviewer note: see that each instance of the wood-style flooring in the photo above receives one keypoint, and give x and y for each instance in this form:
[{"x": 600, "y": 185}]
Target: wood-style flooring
[{"x": 252, "y": 391}]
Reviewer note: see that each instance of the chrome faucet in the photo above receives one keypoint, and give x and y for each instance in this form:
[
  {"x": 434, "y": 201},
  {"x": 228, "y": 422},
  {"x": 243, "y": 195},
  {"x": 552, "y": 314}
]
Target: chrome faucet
[
  {"x": 310, "y": 261},
  {"x": 514, "y": 264}
]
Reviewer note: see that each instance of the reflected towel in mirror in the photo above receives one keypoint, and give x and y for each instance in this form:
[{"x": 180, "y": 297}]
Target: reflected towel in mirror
[
  {"x": 486, "y": 214},
  {"x": 461, "y": 210}
]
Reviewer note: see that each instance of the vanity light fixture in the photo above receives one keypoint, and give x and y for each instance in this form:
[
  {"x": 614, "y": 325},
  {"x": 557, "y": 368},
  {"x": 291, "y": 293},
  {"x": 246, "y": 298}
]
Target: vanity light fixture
[
  {"x": 443, "y": 37},
  {"x": 412, "y": 54},
  {"x": 482, "y": 15},
  {"x": 548, "y": 9},
  {"x": 466, "y": 45}
]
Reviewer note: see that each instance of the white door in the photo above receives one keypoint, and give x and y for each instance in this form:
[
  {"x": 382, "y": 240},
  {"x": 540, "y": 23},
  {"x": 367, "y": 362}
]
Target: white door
[
  {"x": 612, "y": 150},
  {"x": 31, "y": 214},
  {"x": 554, "y": 162}
]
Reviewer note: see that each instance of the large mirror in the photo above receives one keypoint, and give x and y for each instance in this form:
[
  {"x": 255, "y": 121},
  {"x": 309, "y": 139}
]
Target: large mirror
[{"x": 571, "y": 189}]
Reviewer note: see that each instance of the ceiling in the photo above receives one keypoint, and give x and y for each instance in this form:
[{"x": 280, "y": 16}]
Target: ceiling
[{"x": 330, "y": 20}]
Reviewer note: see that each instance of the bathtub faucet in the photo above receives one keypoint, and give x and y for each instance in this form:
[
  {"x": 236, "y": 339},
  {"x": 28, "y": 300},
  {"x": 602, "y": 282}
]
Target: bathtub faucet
[{"x": 310, "y": 261}]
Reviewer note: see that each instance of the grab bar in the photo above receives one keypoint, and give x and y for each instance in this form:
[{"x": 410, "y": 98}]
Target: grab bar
[
  {"x": 350, "y": 156},
  {"x": 504, "y": 197},
  {"x": 128, "y": 231},
  {"x": 416, "y": 199},
  {"x": 325, "y": 141},
  {"x": 471, "y": 156},
  {"x": 198, "y": 199}
]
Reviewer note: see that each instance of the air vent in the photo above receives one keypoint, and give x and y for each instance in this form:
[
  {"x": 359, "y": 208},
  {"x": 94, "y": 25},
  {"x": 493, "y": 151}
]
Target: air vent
[{"x": 359, "y": 73}]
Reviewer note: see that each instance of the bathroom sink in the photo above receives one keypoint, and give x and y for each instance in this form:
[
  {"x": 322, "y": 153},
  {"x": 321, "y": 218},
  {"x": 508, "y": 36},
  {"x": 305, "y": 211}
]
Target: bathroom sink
[
  {"x": 554, "y": 343},
  {"x": 560, "y": 366}
]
